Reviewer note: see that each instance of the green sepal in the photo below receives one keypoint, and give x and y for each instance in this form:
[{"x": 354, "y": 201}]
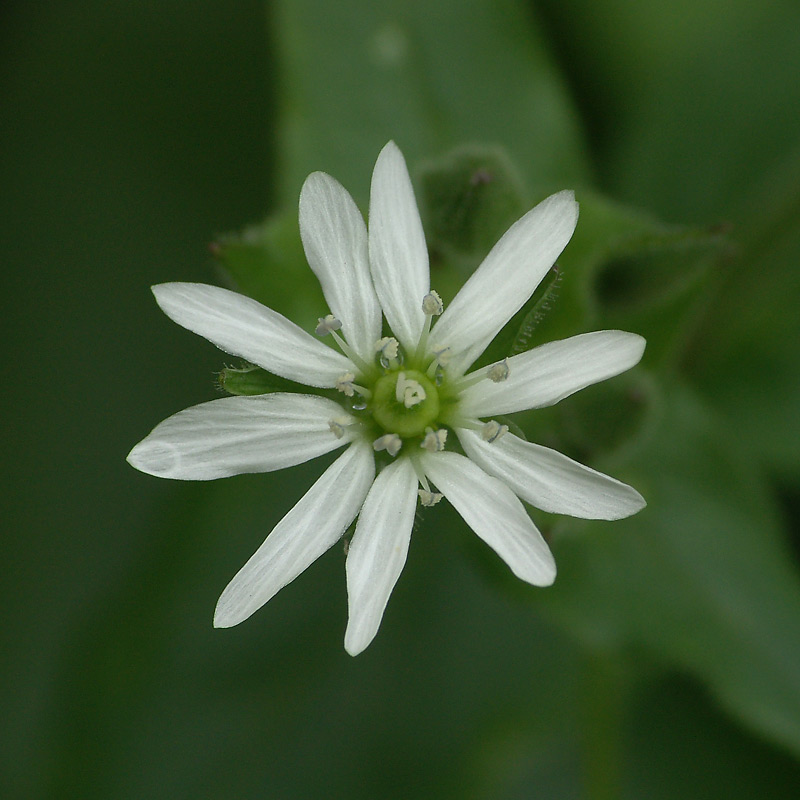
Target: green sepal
[{"x": 250, "y": 379}]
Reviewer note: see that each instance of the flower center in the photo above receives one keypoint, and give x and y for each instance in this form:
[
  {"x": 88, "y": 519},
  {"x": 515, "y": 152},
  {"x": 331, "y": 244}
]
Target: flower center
[{"x": 405, "y": 402}]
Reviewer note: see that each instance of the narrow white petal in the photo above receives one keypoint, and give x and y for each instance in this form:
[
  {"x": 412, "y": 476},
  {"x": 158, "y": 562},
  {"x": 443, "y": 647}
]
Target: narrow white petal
[
  {"x": 495, "y": 513},
  {"x": 243, "y": 327},
  {"x": 553, "y": 371},
  {"x": 378, "y": 551},
  {"x": 335, "y": 240},
  {"x": 397, "y": 250},
  {"x": 235, "y": 435},
  {"x": 506, "y": 279},
  {"x": 301, "y": 537},
  {"x": 549, "y": 480}
]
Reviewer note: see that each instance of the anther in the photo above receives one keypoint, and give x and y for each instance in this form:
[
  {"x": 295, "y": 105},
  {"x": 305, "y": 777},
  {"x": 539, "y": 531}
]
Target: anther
[
  {"x": 390, "y": 442},
  {"x": 434, "y": 440},
  {"x": 492, "y": 431},
  {"x": 337, "y": 428},
  {"x": 387, "y": 347},
  {"x": 345, "y": 384},
  {"x": 326, "y": 325},
  {"x": 499, "y": 372},
  {"x": 388, "y": 350},
  {"x": 408, "y": 391},
  {"x": 427, "y": 498},
  {"x": 442, "y": 355},
  {"x": 432, "y": 305}
]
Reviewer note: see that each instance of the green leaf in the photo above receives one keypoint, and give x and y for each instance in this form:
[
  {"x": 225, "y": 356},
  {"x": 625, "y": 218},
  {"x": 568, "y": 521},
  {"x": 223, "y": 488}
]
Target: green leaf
[
  {"x": 701, "y": 578},
  {"x": 431, "y": 76}
]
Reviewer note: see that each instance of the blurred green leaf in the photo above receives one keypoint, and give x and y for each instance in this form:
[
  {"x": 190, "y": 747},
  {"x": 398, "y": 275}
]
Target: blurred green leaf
[
  {"x": 432, "y": 76},
  {"x": 688, "y": 103},
  {"x": 746, "y": 352},
  {"x": 469, "y": 197},
  {"x": 626, "y": 269},
  {"x": 678, "y": 745},
  {"x": 701, "y": 578}
]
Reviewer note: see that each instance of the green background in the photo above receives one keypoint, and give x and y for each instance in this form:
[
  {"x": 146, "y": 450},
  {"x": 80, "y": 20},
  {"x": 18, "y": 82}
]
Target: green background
[{"x": 665, "y": 661}]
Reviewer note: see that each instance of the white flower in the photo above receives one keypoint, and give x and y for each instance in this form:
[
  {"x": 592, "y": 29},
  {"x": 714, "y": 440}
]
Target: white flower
[{"x": 397, "y": 398}]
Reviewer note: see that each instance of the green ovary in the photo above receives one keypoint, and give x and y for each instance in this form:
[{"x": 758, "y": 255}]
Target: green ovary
[{"x": 393, "y": 416}]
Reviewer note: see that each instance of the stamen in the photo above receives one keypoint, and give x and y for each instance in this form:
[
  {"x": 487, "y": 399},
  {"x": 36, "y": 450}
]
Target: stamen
[
  {"x": 388, "y": 348},
  {"x": 492, "y": 431},
  {"x": 345, "y": 384},
  {"x": 441, "y": 355},
  {"x": 408, "y": 391},
  {"x": 499, "y": 372},
  {"x": 432, "y": 306},
  {"x": 338, "y": 426},
  {"x": 434, "y": 440},
  {"x": 427, "y": 498},
  {"x": 327, "y": 325},
  {"x": 390, "y": 442},
  {"x": 350, "y": 353}
]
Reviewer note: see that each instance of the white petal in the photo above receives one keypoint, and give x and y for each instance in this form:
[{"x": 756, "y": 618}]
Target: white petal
[
  {"x": 301, "y": 537},
  {"x": 549, "y": 480},
  {"x": 335, "y": 240},
  {"x": 553, "y": 371},
  {"x": 495, "y": 513},
  {"x": 397, "y": 250},
  {"x": 235, "y": 435},
  {"x": 243, "y": 327},
  {"x": 506, "y": 279},
  {"x": 378, "y": 551}
]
